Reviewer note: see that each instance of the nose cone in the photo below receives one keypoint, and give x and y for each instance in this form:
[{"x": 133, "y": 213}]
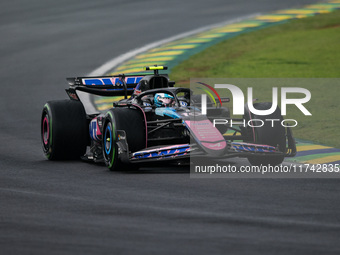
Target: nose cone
[{"x": 207, "y": 136}]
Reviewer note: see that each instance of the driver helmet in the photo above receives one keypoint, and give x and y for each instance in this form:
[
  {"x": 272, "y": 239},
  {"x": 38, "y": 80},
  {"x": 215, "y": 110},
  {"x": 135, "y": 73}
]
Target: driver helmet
[{"x": 163, "y": 100}]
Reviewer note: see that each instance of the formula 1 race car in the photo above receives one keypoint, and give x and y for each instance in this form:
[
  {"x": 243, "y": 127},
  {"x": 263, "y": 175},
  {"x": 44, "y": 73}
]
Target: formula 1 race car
[{"x": 155, "y": 122}]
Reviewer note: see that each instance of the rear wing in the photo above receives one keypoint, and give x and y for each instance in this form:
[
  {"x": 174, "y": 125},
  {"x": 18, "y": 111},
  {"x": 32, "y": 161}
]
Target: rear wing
[
  {"x": 117, "y": 85},
  {"x": 120, "y": 85}
]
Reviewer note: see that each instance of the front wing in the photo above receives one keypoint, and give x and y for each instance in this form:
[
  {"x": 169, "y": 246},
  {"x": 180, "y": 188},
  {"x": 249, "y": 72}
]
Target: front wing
[{"x": 185, "y": 151}]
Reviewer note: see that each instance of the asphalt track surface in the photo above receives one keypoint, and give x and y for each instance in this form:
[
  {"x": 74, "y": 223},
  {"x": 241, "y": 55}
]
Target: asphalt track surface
[{"x": 73, "y": 207}]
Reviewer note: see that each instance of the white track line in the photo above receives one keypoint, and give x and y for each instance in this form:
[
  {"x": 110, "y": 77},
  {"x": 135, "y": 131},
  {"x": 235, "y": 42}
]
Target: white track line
[{"x": 102, "y": 70}]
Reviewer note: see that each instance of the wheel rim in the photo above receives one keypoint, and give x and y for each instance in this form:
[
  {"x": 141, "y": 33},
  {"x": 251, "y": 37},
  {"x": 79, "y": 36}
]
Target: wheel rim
[
  {"x": 108, "y": 139},
  {"x": 46, "y": 131}
]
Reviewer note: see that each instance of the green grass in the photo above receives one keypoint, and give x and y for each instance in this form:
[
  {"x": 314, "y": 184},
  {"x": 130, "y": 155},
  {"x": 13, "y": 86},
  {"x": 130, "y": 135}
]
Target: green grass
[{"x": 305, "y": 48}]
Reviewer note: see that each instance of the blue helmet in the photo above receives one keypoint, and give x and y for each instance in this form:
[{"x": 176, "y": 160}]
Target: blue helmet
[{"x": 163, "y": 100}]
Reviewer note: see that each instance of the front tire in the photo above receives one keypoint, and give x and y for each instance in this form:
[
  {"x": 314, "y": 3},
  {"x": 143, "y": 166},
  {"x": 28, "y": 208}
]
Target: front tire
[{"x": 132, "y": 122}]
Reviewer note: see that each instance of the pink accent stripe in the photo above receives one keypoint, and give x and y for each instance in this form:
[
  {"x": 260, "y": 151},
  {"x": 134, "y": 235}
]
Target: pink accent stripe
[
  {"x": 146, "y": 125},
  {"x": 98, "y": 129}
]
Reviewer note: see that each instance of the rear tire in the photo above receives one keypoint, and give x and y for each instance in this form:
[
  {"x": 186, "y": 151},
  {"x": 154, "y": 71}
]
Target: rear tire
[
  {"x": 267, "y": 135},
  {"x": 64, "y": 130},
  {"x": 132, "y": 122}
]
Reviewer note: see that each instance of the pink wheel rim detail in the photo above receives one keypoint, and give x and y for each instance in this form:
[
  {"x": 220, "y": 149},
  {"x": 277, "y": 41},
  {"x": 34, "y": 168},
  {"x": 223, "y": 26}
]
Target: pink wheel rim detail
[{"x": 46, "y": 137}]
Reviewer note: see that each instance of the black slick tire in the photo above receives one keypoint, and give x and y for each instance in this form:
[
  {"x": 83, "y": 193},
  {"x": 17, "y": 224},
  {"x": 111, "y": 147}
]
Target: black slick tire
[
  {"x": 266, "y": 134},
  {"x": 64, "y": 130},
  {"x": 132, "y": 122}
]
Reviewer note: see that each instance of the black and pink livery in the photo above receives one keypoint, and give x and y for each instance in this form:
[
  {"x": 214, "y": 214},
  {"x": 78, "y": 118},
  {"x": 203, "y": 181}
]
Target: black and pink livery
[{"x": 135, "y": 131}]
